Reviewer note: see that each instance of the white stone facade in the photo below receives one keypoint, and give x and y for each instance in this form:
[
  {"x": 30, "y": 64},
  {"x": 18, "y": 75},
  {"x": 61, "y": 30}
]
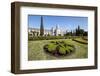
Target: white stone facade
[{"x": 53, "y": 32}]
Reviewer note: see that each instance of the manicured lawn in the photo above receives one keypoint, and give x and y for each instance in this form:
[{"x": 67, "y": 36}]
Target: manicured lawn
[
  {"x": 36, "y": 51},
  {"x": 80, "y": 40}
]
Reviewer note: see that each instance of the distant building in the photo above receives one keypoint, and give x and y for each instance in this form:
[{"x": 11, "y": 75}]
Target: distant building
[
  {"x": 45, "y": 32},
  {"x": 57, "y": 31}
]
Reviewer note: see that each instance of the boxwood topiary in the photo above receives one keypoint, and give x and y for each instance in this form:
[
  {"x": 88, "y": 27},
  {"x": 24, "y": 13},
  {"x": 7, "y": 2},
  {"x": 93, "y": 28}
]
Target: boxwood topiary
[
  {"x": 62, "y": 50},
  {"x": 67, "y": 50},
  {"x": 52, "y": 47},
  {"x": 59, "y": 48}
]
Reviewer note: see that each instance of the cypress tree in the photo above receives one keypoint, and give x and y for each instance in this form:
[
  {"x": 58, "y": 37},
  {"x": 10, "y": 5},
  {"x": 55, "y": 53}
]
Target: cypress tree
[
  {"x": 78, "y": 30},
  {"x": 41, "y": 27}
]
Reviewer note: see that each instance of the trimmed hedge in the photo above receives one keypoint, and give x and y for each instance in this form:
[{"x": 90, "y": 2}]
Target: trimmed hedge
[
  {"x": 51, "y": 47},
  {"x": 49, "y": 37},
  {"x": 80, "y": 41},
  {"x": 54, "y": 37},
  {"x": 62, "y": 50},
  {"x": 59, "y": 48},
  {"x": 85, "y": 38},
  {"x": 45, "y": 38}
]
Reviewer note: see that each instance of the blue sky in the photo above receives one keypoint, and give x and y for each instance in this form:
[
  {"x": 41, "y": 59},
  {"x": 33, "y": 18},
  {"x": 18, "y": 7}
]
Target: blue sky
[{"x": 65, "y": 22}]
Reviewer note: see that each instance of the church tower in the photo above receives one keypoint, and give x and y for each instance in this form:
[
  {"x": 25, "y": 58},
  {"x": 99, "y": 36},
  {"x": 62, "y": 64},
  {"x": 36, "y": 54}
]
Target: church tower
[
  {"x": 57, "y": 31},
  {"x": 52, "y": 31},
  {"x": 41, "y": 27},
  {"x": 57, "y": 27}
]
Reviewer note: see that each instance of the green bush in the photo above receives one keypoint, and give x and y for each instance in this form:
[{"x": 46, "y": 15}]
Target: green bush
[
  {"x": 69, "y": 49},
  {"x": 59, "y": 47},
  {"x": 45, "y": 37},
  {"x": 30, "y": 38},
  {"x": 53, "y": 41},
  {"x": 46, "y": 47},
  {"x": 80, "y": 40},
  {"x": 51, "y": 47},
  {"x": 62, "y": 50}
]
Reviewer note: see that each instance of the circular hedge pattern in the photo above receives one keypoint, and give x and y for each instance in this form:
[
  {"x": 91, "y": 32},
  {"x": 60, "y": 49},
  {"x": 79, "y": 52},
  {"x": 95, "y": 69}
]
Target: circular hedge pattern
[{"x": 59, "y": 48}]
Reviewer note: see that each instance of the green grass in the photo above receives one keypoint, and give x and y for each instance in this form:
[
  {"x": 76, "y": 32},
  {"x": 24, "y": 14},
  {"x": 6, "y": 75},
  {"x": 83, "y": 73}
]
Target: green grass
[
  {"x": 36, "y": 51},
  {"x": 80, "y": 40},
  {"x": 62, "y": 50},
  {"x": 51, "y": 47}
]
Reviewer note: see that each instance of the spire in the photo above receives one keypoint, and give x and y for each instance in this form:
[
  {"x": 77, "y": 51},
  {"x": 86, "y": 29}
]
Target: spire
[
  {"x": 78, "y": 27},
  {"x": 57, "y": 26},
  {"x": 52, "y": 29},
  {"x": 41, "y": 27}
]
